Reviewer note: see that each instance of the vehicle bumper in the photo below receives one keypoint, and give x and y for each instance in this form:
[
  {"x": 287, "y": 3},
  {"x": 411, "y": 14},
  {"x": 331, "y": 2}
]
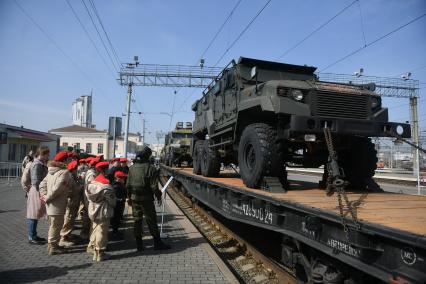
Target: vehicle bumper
[{"x": 368, "y": 128}]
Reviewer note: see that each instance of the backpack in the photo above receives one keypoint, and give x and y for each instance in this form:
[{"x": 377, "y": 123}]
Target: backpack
[{"x": 26, "y": 177}]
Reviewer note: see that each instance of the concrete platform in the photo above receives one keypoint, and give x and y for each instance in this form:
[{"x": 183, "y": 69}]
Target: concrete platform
[{"x": 191, "y": 259}]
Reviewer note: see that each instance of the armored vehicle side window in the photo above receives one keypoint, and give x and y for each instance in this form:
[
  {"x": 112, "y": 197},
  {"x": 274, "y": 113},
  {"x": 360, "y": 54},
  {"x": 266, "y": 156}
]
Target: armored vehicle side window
[
  {"x": 216, "y": 88},
  {"x": 230, "y": 79}
]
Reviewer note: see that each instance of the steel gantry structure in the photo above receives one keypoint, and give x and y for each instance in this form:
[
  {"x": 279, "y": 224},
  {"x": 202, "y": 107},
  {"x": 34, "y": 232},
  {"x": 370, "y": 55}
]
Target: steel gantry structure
[{"x": 157, "y": 75}]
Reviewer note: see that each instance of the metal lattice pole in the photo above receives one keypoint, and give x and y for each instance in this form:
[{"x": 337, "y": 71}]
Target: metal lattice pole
[{"x": 126, "y": 134}]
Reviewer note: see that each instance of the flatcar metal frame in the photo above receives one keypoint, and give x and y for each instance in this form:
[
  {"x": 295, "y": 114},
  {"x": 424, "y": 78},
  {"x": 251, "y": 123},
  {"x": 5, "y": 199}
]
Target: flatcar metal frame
[{"x": 381, "y": 252}]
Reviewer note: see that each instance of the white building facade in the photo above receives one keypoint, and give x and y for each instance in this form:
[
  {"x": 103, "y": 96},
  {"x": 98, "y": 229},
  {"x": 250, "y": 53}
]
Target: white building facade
[
  {"x": 94, "y": 142},
  {"x": 89, "y": 140}
]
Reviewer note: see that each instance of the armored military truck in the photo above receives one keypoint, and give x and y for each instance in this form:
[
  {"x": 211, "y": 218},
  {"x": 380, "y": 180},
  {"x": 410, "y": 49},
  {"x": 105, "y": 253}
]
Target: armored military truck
[
  {"x": 264, "y": 116},
  {"x": 177, "y": 145}
]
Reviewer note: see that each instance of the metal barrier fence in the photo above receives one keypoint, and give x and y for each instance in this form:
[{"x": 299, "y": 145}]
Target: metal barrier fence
[{"x": 10, "y": 172}]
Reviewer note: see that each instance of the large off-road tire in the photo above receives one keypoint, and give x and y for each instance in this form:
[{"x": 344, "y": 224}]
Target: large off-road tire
[
  {"x": 260, "y": 154},
  {"x": 196, "y": 159},
  {"x": 359, "y": 162},
  {"x": 210, "y": 163}
]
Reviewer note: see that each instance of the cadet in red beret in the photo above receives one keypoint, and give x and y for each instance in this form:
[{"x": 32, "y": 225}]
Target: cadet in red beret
[
  {"x": 72, "y": 165},
  {"x": 115, "y": 166},
  {"x": 101, "y": 208},
  {"x": 60, "y": 156},
  {"x": 123, "y": 165},
  {"x": 72, "y": 205},
  {"x": 120, "y": 194},
  {"x": 54, "y": 190},
  {"x": 89, "y": 176}
]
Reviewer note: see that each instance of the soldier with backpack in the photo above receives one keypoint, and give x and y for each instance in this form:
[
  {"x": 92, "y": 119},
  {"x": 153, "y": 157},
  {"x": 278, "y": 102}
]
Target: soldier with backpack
[{"x": 142, "y": 186}]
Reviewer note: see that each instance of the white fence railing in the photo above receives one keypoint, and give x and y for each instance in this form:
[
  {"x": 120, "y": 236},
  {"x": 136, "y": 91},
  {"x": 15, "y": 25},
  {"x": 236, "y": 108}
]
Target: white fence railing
[{"x": 10, "y": 172}]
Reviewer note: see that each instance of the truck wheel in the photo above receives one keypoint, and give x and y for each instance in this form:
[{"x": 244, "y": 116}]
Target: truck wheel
[
  {"x": 260, "y": 155},
  {"x": 196, "y": 159},
  {"x": 359, "y": 162},
  {"x": 210, "y": 164}
]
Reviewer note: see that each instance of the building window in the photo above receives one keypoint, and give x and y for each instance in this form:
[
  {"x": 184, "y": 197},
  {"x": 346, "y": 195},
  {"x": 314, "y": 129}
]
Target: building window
[
  {"x": 24, "y": 152},
  {"x": 65, "y": 144},
  {"x": 100, "y": 148},
  {"x": 88, "y": 148},
  {"x": 12, "y": 152},
  {"x": 77, "y": 146}
]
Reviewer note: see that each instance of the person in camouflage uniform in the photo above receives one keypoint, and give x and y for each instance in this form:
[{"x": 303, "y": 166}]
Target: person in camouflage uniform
[{"x": 142, "y": 186}]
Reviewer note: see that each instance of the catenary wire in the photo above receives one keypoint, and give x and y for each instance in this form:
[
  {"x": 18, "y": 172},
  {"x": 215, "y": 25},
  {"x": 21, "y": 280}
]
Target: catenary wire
[
  {"x": 371, "y": 43},
  {"x": 220, "y": 29},
  {"x": 362, "y": 22},
  {"x": 89, "y": 37},
  {"x": 99, "y": 35},
  {"x": 242, "y": 32},
  {"x": 315, "y": 31},
  {"x": 208, "y": 47},
  {"x": 114, "y": 51}
]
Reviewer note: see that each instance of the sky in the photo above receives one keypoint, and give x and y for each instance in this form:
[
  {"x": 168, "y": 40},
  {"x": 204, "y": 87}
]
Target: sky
[{"x": 43, "y": 72}]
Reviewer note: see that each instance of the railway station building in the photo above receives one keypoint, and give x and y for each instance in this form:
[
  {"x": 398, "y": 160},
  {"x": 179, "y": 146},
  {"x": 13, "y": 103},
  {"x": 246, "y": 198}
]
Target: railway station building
[{"x": 94, "y": 141}]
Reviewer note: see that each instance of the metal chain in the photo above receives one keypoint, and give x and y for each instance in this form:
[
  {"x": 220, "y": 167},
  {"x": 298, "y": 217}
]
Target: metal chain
[{"x": 336, "y": 184}]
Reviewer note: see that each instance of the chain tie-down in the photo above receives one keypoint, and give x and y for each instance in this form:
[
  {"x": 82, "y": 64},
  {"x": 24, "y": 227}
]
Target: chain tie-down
[{"x": 336, "y": 183}]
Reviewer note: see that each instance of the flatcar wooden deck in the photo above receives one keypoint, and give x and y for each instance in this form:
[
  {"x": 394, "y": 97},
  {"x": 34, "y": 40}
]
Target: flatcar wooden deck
[{"x": 397, "y": 211}]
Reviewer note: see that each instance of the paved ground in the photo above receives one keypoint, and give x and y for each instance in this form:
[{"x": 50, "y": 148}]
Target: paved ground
[{"x": 190, "y": 260}]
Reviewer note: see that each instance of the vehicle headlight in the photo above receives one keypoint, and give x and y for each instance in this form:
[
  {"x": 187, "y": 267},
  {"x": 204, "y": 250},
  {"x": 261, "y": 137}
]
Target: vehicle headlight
[
  {"x": 375, "y": 102},
  {"x": 297, "y": 95}
]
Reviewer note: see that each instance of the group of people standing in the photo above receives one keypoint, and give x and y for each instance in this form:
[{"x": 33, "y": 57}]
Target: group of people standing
[{"x": 98, "y": 189}]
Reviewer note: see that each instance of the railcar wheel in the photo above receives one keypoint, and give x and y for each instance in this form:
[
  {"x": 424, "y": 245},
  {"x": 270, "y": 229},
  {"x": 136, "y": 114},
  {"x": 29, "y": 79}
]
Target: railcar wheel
[
  {"x": 259, "y": 155},
  {"x": 210, "y": 164},
  {"x": 196, "y": 159}
]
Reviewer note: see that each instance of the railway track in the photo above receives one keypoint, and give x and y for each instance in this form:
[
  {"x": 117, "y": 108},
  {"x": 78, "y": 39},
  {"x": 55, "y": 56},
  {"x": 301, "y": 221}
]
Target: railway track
[{"x": 248, "y": 263}]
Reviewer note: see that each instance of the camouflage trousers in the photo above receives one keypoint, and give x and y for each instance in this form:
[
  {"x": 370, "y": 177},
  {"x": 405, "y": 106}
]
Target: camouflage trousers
[
  {"x": 56, "y": 223},
  {"x": 70, "y": 216},
  {"x": 99, "y": 235},
  {"x": 147, "y": 207},
  {"x": 86, "y": 226}
]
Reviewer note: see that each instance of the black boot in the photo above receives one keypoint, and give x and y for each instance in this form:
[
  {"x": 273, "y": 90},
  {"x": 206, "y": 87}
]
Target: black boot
[
  {"x": 139, "y": 244},
  {"x": 159, "y": 245}
]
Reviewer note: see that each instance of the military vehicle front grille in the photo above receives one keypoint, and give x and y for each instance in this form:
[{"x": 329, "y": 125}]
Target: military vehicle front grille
[{"x": 342, "y": 105}]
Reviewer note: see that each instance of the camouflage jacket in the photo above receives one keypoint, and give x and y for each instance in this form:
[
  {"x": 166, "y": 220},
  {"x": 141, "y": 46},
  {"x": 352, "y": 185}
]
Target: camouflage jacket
[{"x": 142, "y": 181}]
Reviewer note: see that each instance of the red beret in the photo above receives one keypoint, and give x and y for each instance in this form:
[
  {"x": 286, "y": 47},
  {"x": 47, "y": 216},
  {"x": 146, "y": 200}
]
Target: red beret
[
  {"x": 102, "y": 165},
  {"x": 94, "y": 161},
  {"x": 60, "y": 156},
  {"x": 72, "y": 165},
  {"x": 120, "y": 174},
  {"x": 123, "y": 160},
  {"x": 82, "y": 161},
  {"x": 101, "y": 179}
]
